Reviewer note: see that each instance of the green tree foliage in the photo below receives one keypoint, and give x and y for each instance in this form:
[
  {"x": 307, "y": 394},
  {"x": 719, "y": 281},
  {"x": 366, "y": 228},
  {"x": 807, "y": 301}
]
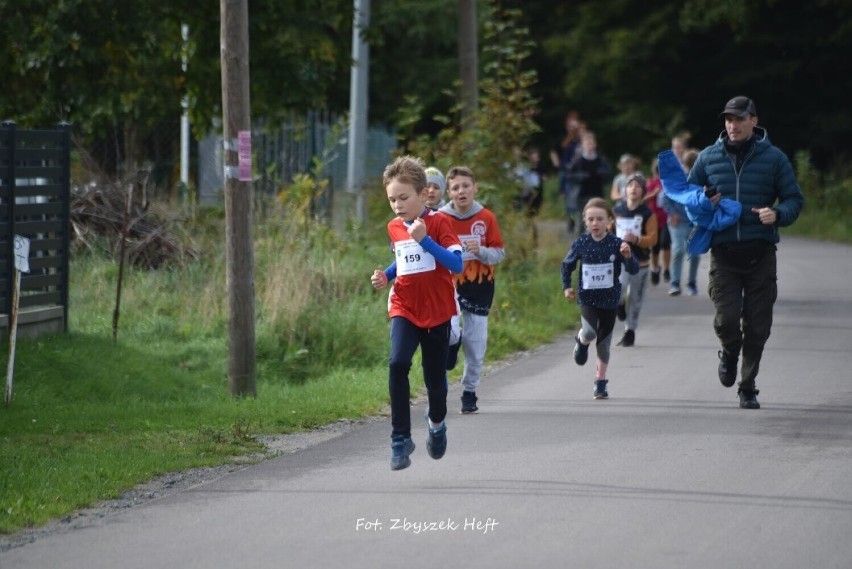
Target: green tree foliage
[
  {"x": 114, "y": 70},
  {"x": 299, "y": 58},
  {"x": 788, "y": 56},
  {"x": 640, "y": 71},
  {"x": 99, "y": 63},
  {"x": 504, "y": 121},
  {"x": 92, "y": 63},
  {"x": 414, "y": 61}
]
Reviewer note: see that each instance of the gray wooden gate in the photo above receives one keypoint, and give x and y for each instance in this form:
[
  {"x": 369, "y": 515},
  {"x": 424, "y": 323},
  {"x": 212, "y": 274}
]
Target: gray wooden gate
[{"x": 35, "y": 190}]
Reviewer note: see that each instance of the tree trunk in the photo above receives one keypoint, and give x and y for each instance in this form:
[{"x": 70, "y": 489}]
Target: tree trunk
[{"x": 468, "y": 60}]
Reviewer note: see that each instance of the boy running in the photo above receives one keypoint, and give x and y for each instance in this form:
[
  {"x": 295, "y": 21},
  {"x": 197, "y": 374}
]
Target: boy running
[
  {"x": 483, "y": 249},
  {"x": 421, "y": 303}
]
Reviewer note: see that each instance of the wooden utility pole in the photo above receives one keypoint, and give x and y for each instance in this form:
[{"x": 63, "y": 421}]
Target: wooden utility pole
[
  {"x": 239, "y": 235},
  {"x": 468, "y": 60}
]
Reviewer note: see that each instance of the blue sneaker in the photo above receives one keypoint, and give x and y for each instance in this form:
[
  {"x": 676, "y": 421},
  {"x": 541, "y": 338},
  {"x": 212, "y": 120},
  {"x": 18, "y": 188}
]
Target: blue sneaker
[
  {"x": 581, "y": 352},
  {"x": 436, "y": 443},
  {"x": 600, "y": 389},
  {"x": 401, "y": 448}
]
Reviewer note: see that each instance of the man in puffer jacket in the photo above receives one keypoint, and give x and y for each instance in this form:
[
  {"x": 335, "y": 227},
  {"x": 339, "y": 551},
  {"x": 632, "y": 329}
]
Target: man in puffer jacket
[{"x": 744, "y": 166}]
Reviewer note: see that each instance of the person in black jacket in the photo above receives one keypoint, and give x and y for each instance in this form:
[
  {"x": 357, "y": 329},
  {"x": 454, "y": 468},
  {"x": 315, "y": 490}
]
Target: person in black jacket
[
  {"x": 590, "y": 171},
  {"x": 744, "y": 166}
]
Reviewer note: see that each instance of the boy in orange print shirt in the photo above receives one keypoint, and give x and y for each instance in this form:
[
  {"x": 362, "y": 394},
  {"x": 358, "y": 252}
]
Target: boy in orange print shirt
[{"x": 483, "y": 249}]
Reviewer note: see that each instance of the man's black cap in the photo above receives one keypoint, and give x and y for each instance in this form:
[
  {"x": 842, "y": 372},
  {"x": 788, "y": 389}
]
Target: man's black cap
[{"x": 739, "y": 106}]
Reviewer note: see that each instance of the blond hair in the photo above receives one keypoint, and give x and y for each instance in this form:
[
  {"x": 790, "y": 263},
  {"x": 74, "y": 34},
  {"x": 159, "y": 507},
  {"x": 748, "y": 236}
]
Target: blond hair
[
  {"x": 408, "y": 170},
  {"x": 600, "y": 203}
]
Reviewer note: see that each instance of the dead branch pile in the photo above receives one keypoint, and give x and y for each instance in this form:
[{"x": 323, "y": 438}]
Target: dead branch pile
[{"x": 152, "y": 240}]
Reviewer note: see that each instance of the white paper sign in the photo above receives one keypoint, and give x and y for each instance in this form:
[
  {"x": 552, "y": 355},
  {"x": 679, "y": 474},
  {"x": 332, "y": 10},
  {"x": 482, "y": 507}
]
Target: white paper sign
[
  {"x": 22, "y": 254},
  {"x": 625, "y": 225}
]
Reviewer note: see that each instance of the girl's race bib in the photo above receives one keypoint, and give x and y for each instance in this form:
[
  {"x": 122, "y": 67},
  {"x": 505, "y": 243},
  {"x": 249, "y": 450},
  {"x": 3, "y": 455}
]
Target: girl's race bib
[{"x": 598, "y": 275}]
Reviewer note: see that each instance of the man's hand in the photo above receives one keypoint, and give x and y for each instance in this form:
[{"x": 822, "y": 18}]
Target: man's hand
[{"x": 767, "y": 215}]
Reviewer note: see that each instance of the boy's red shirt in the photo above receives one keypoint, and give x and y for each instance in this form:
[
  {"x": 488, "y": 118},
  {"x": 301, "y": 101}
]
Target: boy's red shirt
[{"x": 427, "y": 298}]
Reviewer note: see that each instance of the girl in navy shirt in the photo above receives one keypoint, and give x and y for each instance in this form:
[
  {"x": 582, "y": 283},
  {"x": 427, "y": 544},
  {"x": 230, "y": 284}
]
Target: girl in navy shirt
[{"x": 601, "y": 255}]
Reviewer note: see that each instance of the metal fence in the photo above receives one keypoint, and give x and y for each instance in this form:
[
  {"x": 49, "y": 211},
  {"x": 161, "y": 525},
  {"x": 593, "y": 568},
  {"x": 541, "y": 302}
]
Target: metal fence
[
  {"x": 283, "y": 152},
  {"x": 35, "y": 203},
  {"x": 280, "y": 152}
]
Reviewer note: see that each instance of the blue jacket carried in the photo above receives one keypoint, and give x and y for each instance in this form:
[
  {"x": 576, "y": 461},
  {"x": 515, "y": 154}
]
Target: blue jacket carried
[
  {"x": 699, "y": 209},
  {"x": 765, "y": 178}
]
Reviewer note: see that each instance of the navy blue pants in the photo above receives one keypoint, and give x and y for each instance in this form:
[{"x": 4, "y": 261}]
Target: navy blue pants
[{"x": 434, "y": 343}]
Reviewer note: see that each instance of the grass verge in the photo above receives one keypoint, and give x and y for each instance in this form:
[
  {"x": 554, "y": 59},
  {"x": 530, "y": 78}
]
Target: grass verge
[{"x": 91, "y": 418}]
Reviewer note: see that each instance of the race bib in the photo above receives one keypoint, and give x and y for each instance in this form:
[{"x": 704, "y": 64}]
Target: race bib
[
  {"x": 466, "y": 255},
  {"x": 598, "y": 275},
  {"x": 411, "y": 258},
  {"x": 625, "y": 225}
]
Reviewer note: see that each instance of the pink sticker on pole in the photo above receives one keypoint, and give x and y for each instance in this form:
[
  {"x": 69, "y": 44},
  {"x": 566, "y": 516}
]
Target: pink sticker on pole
[{"x": 244, "y": 153}]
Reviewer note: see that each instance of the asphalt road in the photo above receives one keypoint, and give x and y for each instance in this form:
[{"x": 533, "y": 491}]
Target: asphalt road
[{"x": 667, "y": 473}]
